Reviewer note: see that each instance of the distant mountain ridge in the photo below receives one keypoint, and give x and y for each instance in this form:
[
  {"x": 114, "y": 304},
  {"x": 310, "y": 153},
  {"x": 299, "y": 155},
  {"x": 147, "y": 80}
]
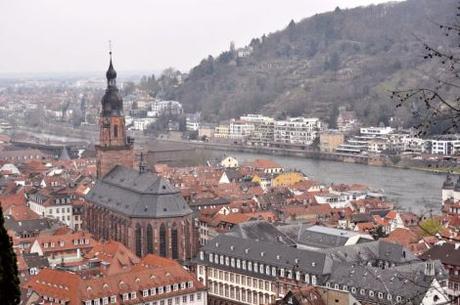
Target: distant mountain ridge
[{"x": 342, "y": 58}]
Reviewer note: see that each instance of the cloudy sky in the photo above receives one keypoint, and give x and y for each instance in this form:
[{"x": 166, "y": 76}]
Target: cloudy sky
[{"x": 147, "y": 35}]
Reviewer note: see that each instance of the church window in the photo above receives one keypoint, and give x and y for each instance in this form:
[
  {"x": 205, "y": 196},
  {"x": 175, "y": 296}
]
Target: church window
[
  {"x": 138, "y": 240},
  {"x": 174, "y": 243},
  {"x": 149, "y": 239},
  {"x": 163, "y": 240}
]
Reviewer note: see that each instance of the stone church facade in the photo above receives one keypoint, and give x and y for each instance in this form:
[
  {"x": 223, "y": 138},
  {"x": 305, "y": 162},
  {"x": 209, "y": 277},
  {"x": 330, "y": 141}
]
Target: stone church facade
[{"x": 137, "y": 208}]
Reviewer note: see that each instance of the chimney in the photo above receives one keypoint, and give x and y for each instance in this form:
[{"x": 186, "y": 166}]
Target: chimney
[{"x": 429, "y": 268}]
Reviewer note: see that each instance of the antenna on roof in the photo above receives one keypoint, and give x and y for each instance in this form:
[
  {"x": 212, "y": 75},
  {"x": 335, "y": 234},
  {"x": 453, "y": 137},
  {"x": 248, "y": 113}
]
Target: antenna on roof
[{"x": 110, "y": 48}]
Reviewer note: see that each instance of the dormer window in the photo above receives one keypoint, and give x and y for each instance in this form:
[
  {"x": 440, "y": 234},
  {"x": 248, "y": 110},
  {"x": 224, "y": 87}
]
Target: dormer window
[
  {"x": 282, "y": 272},
  {"x": 201, "y": 255},
  {"x": 221, "y": 260},
  {"x": 160, "y": 290},
  {"x": 389, "y": 297},
  {"x": 243, "y": 265},
  {"x": 168, "y": 288},
  {"x": 345, "y": 288},
  {"x": 371, "y": 294},
  {"x": 175, "y": 287},
  {"x": 232, "y": 262},
  {"x": 133, "y": 295},
  {"x": 227, "y": 261},
  {"x": 210, "y": 257},
  {"x": 398, "y": 298},
  {"x": 113, "y": 299},
  {"x": 125, "y": 296},
  {"x": 297, "y": 275},
  {"x": 249, "y": 266},
  {"x": 273, "y": 271},
  {"x": 190, "y": 284},
  {"x": 145, "y": 293},
  {"x": 307, "y": 278},
  {"x": 238, "y": 263},
  {"x": 182, "y": 285}
]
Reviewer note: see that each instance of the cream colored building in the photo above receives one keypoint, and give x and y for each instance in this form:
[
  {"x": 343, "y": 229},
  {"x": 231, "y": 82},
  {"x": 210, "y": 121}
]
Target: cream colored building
[{"x": 330, "y": 140}]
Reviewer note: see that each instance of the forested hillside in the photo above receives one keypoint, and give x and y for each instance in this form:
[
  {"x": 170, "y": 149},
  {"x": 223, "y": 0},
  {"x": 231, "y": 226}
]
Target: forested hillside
[{"x": 346, "y": 57}]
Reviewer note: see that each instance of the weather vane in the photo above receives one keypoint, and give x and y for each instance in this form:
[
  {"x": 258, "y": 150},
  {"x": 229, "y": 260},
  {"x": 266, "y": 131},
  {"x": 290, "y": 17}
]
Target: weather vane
[{"x": 110, "y": 47}]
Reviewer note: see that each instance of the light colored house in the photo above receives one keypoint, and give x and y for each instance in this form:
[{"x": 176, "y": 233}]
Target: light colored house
[{"x": 229, "y": 162}]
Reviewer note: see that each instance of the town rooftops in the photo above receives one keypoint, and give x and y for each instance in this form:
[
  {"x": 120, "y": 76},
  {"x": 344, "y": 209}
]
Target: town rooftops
[
  {"x": 408, "y": 282},
  {"x": 261, "y": 231},
  {"x": 379, "y": 250},
  {"x": 27, "y": 226},
  {"x": 268, "y": 253},
  {"x": 447, "y": 253},
  {"x": 136, "y": 194},
  {"x": 318, "y": 237}
]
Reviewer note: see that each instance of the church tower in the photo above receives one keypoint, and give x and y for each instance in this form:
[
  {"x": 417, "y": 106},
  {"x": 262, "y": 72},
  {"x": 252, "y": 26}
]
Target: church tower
[{"x": 115, "y": 147}]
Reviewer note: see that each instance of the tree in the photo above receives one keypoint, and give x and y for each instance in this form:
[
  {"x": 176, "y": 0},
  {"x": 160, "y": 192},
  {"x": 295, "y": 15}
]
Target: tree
[
  {"x": 435, "y": 106},
  {"x": 378, "y": 233},
  {"x": 431, "y": 226},
  {"x": 10, "y": 293}
]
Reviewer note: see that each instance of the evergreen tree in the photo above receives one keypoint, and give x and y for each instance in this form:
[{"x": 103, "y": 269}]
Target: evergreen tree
[{"x": 9, "y": 280}]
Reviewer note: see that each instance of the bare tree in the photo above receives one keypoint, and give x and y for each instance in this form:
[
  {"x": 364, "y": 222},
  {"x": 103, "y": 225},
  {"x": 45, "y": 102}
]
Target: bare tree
[{"x": 435, "y": 105}]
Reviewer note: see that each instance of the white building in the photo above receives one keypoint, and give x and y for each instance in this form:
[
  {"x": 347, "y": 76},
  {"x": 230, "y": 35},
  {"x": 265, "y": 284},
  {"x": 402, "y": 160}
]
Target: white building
[
  {"x": 229, "y": 162},
  {"x": 378, "y": 131},
  {"x": 59, "y": 208},
  {"x": 142, "y": 123},
  {"x": 172, "y": 107},
  {"x": 302, "y": 131},
  {"x": 445, "y": 145},
  {"x": 239, "y": 129}
]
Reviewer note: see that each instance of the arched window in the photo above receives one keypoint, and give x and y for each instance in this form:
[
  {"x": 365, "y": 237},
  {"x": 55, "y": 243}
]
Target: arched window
[
  {"x": 188, "y": 240},
  {"x": 115, "y": 131},
  {"x": 163, "y": 245},
  {"x": 149, "y": 239},
  {"x": 138, "y": 240},
  {"x": 174, "y": 243}
]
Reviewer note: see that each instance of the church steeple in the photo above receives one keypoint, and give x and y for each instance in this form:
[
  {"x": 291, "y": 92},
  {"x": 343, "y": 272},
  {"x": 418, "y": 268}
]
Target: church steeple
[
  {"x": 112, "y": 103},
  {"x": 111, "y": 74},
  {"x": 114, "y": 147}
]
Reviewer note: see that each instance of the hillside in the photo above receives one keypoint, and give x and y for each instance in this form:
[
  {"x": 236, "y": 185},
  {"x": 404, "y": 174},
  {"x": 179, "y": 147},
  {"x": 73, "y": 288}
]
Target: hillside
[{"x": 346, "y": 57}]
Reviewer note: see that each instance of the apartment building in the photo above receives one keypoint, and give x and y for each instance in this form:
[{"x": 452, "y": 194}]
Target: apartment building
[{"x": 301, "y": 131}]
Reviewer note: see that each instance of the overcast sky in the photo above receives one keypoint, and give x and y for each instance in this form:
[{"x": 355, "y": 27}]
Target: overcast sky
[{"x": 147, "y": 35}]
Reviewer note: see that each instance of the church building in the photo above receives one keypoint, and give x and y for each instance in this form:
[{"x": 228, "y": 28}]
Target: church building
[{"x": 131, "y": 205}]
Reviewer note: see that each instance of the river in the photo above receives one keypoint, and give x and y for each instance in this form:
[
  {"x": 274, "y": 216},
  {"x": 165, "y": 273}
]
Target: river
[{"x": 412, "y": 190}]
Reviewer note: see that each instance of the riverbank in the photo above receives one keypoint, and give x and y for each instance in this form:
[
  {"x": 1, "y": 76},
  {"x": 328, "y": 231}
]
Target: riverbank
[
  {"x": 314, "y": 155},
  {"x": 89, "y": 135}
]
